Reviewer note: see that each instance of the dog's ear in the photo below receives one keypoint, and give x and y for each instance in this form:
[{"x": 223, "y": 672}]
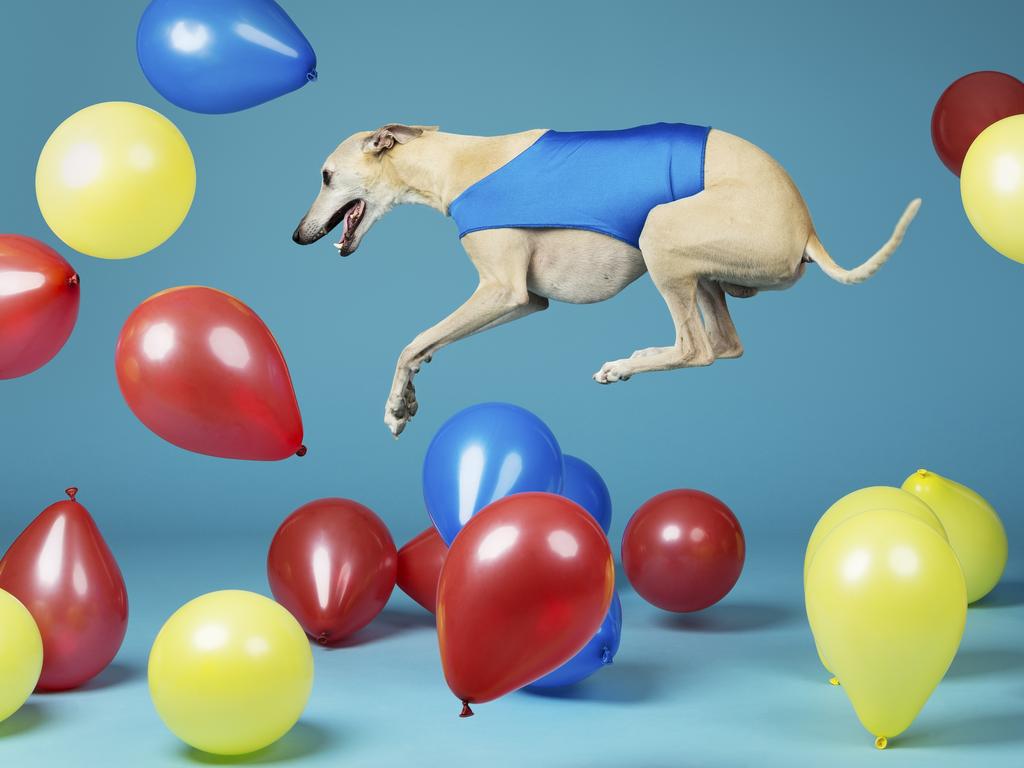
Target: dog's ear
[{"x": 385, "y": 137}]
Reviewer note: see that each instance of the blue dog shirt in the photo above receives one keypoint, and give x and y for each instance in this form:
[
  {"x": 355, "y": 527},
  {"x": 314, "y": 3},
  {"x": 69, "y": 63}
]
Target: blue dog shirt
[{"x": 604, "y": 181}]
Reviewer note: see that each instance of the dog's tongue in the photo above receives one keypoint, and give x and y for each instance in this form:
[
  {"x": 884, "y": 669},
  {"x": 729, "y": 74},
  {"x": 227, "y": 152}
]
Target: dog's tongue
[{"x": 352, "y": 216}]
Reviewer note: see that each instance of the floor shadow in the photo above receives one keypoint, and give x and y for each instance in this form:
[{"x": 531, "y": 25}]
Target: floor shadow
[
  {"x": 623, "y": 682},
  {"x": 303, "y": 740},
  {"x": 390, "y": 622},
  {"x": 1006, "y": 594},
  {"x": 982, "y": 662},
  {"x": 1001, "y": 728},
  {"x": 117, "y": 673},
  {"x": 732, "y": 617},
  {"x": 28, "y": 718}
]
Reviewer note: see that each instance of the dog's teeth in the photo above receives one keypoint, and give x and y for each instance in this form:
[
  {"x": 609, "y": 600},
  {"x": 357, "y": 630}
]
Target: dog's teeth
[{"x": 337, "y": 245}]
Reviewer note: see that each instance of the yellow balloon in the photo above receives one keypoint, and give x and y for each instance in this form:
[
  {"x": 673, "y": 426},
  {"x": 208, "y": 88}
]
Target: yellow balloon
[
  {"x": 21, "y": 654},
  {"x": 992, "y": 186},
  {"x": 230, "y": 672},
  {"x": 975, "y": 531},
  {"x": 887, "y": 603},
  {"x": 115, "y": 180}
]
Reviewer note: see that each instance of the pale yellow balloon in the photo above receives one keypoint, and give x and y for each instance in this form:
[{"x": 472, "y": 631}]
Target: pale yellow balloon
[
  {"x": 115, "y": 180},
  {"x": 21, "y": 654},
  {"x": 975, "y": 531},
  {"x": 230, "y": 672},
  {"x": 887, "y": 604},
  {"x": 865, "y": 500},
  {"x": 992, "y": 186}
]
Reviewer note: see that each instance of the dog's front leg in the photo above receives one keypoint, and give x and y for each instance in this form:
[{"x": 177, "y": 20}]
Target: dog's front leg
[{"x": 490, "y": 305}]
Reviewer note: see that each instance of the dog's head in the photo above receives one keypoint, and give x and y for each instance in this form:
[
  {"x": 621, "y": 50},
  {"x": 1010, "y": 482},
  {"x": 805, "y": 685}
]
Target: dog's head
[{"x": 355, "y": 188}]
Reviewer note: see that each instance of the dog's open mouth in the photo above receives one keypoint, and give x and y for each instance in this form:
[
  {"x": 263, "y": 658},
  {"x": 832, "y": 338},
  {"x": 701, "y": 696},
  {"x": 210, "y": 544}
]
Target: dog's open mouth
[{"x": 350, "y": 215}]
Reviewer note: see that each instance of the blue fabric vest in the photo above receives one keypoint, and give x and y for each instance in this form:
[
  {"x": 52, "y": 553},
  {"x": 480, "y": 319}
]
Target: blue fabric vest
[{"x": 604, "y": 181}]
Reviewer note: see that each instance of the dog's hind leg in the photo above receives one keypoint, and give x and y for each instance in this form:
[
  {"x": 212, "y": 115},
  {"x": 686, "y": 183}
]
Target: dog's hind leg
[{"x": 725, "y": 342}]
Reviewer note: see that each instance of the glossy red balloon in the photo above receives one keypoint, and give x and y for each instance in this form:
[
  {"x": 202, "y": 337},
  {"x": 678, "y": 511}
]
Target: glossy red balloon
[
  {"x": 419, "y": 567},
  {"x": 683, "y": 550},
  {"x": 38, "y": 304},
  {"x": 969, "y": 106},
  {"x": 200, "y": 369},
  {"x": 332, "y": 564},
  {"x": 61, "y": 569},
  {"x": 526, "y": 583}
]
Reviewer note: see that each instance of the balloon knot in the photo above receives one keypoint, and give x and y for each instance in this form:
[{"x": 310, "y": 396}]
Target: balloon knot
[
  {"x": 833, "y": 681},
  {"x": 606, "y": 655},
  {"x": 881, "y": 742},
  {"x": 322, "y": 638},
  {"x": 73, "y": 280},
  {"x": 71, "y": 492},
  {"x": 466, "y": 711},
  {"x": 311, "y": 76},
  {"x": 302, "y": 451}
]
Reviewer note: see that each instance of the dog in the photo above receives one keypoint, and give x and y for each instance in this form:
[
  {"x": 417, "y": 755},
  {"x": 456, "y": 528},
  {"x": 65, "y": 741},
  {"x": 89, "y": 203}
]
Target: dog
[{"x": 741, "y": 227}]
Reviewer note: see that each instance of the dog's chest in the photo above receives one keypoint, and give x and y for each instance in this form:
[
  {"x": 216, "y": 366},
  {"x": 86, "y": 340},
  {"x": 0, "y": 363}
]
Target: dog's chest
[{"x": 580, "y": 267}]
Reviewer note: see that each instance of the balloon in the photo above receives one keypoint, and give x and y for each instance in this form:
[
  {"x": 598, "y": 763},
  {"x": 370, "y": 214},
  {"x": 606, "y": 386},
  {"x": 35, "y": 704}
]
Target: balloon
[
  {"x": 992, "y": 186},
  {"x": 38, "y": 304},
  {"x": 61, "y": 569},
  {"x": 524, "y": 587},
  {"x": 230, "y": 672},
  {"x": 332, "y": 564},
  {"x": 584, "y": 485},
  {"x": 201, "y": 370},
  {"x": 598, "y": 652},
  {"x": 886, "y": 602},
  {"x": 683, "y": 550},
  {"x": 482, "y": 454},
  {"x": 21, "y": 654},
  {"x": 865, "y": 500},
  {"x": 115, "y": 180},
  {"x": 224, "y": 56},
  {"x": 975, "y": 531},
  {"x": 969, "y": 106},
  {"x": 419, "y": 567}
]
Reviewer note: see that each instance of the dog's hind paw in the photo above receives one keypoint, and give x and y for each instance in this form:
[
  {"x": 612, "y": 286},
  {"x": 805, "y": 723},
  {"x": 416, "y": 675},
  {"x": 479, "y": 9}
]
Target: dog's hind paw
[
  {"x": 399, "y": 410},
  {"x": 618, "y": 370}
]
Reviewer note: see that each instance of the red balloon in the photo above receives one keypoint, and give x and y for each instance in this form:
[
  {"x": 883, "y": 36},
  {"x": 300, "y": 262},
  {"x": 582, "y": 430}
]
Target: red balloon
[
  {"x": 201, "y": 370},
  {"x": 332, "y": 564},
  {"x": 419, "y": 567},
  {"x": 968, "y": 107},
  {"x": 526, "y": 584},
  {"x": 683, "y": 550},
  {"x": 63, "y": 572},
  {"x": 38, "y": 304}
]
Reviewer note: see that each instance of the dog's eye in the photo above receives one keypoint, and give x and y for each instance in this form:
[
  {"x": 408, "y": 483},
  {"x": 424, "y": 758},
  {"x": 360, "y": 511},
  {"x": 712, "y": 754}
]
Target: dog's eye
[{"x": 327, "y": 178}]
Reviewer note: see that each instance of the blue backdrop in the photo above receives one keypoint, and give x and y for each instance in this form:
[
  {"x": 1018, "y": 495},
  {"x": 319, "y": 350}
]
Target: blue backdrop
[{"x": 840, "y": 387}]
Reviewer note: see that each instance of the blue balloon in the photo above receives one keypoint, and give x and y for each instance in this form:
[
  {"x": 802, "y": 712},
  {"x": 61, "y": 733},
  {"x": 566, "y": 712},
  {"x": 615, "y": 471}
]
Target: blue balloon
[
  {"x": 217, "y": 56},
  {"x": 482, "y": 454},
  {"x": 583, "y": 485},
  {"x": 595, "y": 654}
]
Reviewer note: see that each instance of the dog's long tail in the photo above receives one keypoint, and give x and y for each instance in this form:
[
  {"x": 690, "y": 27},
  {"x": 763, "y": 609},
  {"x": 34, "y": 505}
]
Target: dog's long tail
[{"x": 815, "y": 251}]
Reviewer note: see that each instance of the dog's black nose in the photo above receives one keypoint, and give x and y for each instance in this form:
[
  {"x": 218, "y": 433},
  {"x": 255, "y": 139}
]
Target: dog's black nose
[{"x": 297, "y": 235}]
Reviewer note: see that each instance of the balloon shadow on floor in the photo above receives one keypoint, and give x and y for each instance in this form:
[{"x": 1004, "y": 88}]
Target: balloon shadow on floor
[
  {"x": 28, "y": 718},
  {"x": 116, "y": 673},
  {"x": 390, "y": 622},
  {"x": 732, "y": 617},
  {"x": 980, "y": 662},
  {"x": 623, "y": 682},
  {"x": 1005, "y": 595},
  {"x": 992, "y": 728},
  {"x": 305, "y": 739}
]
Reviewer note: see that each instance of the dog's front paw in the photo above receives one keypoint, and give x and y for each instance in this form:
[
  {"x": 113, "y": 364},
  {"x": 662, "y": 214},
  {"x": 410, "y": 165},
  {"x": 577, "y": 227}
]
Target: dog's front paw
[
  {"x": 619, "y": 370},
  {"x": 400, "y": 409}
]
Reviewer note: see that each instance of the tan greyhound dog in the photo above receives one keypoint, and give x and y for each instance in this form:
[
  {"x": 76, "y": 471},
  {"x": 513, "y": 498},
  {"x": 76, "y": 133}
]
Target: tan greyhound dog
[{"x": 747, "y": 230}]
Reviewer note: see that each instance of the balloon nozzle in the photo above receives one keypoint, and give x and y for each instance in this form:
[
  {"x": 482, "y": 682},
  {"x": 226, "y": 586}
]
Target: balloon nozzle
[
  {"x": 322, "y": 638},
  {"x": 881, "y": 742},
  {"x": 73, "y": 280},
  {"x": 302, "y": 451},
  {"x": 606, "y": 655},
  {"x": 466, "y": 711},
  {"x": 833, "y": 680},
  {"x": 311, "y": 76},
  {"x": 71, "y": 492},
  {"x": 922, "y": 472}
]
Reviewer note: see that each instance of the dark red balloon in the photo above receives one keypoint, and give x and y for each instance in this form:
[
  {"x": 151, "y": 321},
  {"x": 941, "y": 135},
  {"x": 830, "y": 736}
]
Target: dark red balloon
[
  {"x": 419, "y": 567},
  {"x": 61, "y": 569},
  {"x": 969, "y": 106},
  {"x": 526, "y": 583},
  {"x": 683, "y": 550},
  {"x": 200, "y": 369},
  {"x": 38, "y": 304},
  {"x": 332, "y": 564}
]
